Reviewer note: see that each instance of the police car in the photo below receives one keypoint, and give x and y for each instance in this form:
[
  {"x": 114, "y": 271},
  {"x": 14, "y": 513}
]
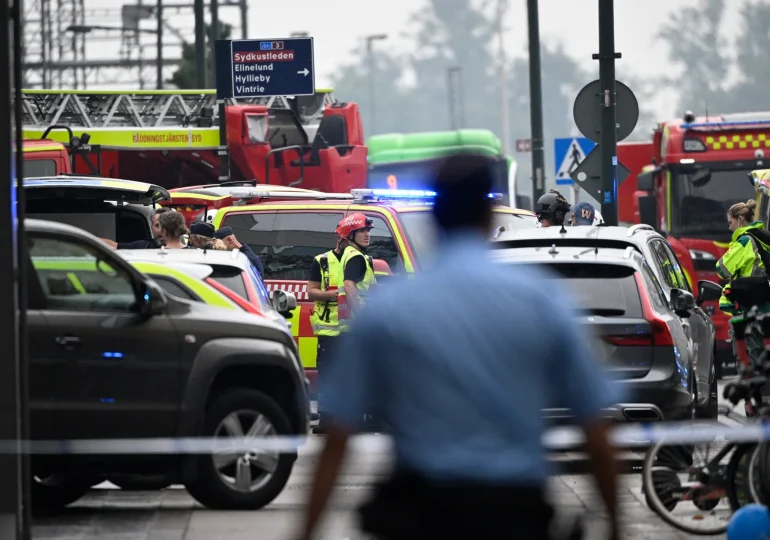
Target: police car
[{"x": 288, "y": 231}]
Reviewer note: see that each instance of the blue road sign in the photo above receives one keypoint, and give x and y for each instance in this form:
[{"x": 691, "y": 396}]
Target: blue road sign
[
  {"x": 265, "y": 67},
  {"x": 568, "y": 153}
]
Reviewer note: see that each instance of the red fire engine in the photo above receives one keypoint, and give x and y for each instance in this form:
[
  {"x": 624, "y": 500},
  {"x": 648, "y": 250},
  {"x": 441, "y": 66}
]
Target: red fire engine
[
  {"x": 172, "y": 138},
  {"x": 700, "y": 167}
]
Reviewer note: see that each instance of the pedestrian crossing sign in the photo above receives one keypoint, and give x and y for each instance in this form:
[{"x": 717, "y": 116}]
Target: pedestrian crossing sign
[{"x": 568, "y": 153}]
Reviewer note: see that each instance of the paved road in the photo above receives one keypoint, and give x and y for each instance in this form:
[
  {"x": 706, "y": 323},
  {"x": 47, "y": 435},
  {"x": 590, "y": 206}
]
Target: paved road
[{"x": 110, "y": 514}]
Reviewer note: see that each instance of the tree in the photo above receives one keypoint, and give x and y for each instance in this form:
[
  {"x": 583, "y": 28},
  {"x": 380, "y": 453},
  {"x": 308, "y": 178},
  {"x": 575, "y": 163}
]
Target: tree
[
  {"x": 697, "y": 48},
  {"x": 185, "y": 76},
  {"x": 752, "y": 44}
]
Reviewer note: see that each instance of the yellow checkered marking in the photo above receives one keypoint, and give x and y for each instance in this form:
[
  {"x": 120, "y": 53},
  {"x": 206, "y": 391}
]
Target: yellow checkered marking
[{"x": 731, "y": 142}]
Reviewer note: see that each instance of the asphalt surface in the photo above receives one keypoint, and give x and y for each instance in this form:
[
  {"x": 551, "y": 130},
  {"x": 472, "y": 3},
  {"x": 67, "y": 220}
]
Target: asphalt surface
[{"x": 111, "y": 514}]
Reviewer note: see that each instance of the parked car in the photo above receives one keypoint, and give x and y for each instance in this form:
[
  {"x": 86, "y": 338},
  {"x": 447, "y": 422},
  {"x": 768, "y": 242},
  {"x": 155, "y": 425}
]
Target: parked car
[
  {"x": 657, "y": 340},
  {"x": 118, "y": 358},
  {"x": 230, "y": 271}
]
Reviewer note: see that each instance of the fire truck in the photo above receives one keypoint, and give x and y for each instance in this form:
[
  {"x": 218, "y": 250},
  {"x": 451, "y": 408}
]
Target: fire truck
[
  {"x": 172, "y": 138},
  {"x": 699, "y": 168}
]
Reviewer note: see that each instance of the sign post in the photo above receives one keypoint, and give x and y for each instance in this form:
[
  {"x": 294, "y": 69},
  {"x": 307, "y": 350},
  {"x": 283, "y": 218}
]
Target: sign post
[{"x": 247, "y": 68}]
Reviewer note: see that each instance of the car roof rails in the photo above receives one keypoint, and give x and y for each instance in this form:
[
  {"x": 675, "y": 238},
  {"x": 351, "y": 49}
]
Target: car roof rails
[{"x": 639, "y": 227}]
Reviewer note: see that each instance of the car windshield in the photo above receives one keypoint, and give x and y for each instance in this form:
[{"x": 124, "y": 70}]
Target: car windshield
[
  {"x": 421, "y": 230},
  {"x": 699, "y": 208}
]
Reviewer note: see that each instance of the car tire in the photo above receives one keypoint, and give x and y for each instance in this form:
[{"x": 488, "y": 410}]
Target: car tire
[
  {"x": 52, "y": 493},
  {"x": 140, "y": 482},
  {"x": 710, "y": 410},
  {"x": 214, "y": 485}
]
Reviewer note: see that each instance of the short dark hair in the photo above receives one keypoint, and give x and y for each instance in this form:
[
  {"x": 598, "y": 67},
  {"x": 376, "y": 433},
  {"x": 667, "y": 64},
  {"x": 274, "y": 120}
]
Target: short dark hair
[
  {"x": 162, "y": 210},
  {"x": 463, "y": 184}
]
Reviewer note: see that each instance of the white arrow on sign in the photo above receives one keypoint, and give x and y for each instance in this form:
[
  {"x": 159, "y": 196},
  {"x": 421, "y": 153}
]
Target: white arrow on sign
[{"x": 304, "y": 72}]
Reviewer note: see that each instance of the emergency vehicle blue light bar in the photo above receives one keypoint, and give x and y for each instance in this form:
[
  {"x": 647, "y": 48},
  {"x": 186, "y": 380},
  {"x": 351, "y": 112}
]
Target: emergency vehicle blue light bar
[{"x": 402, "y": 194}]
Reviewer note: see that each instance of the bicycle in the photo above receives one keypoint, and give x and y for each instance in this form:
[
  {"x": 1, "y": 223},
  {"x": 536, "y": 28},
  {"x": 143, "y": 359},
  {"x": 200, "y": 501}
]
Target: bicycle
[{"x": 734, "y": 475}]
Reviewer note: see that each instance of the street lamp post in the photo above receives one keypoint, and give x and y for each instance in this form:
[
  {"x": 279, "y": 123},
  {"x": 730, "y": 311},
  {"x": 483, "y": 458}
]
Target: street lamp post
[
  {"x": 454, "y": 77},
  {"x": 370, "y": 57},
  {"x": 501, "y": 5}
]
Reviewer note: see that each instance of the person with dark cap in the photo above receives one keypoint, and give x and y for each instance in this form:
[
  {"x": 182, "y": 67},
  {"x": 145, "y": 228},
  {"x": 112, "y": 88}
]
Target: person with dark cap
[
  {"x": 227, "y": 235},
  {"x": 583, "y": 214},
  {"x": 552, "y": 209},
  {"x": 201, "y": 235},
  {"x": 463, "y": 387}
]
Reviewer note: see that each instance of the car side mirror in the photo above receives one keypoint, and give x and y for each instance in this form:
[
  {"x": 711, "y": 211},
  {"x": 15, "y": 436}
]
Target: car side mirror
[
  {"x": 646, "y": 181},
  {"x": 284, "y": 303},
  {"x": 708, "y": 291},
  {"x": 648, "y": 210},
  {"x": 381, "y": 268},
  {"x": 682, "y": 302},
  {"x": 151, "y": 299}
]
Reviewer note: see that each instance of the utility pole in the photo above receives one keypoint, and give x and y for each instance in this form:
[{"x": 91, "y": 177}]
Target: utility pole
[
  {"x": 200, "y": 45},
  {"x": 159, "y": 46},
  {"x": 214, "y": 31},
  {"x": 501, "y": 8},
  {"x": 536, "y": 102},
  {"x": 244, "y": 20},
  {"x": 370, "y": 59},
  {"x": 609, "y": 135}
]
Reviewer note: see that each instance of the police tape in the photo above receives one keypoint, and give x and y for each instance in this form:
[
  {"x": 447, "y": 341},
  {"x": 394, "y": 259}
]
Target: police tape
[{"x": 562, "y": 438}]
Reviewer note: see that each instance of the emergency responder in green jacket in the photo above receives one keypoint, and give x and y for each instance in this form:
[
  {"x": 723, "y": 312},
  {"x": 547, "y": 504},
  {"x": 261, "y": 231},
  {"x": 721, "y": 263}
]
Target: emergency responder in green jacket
[
  {"x": 356, "y": 269},
  {"x": 322, "y": 289},
  {"x": 743, "y": 259}
]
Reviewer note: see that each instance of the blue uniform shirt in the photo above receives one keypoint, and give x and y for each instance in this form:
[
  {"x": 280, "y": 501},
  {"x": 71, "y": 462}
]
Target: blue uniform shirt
[{"x": 461, "y": 359}]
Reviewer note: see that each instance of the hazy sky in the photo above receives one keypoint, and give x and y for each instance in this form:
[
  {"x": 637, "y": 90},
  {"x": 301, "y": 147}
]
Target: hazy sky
[{"x": 574, "y": 22}]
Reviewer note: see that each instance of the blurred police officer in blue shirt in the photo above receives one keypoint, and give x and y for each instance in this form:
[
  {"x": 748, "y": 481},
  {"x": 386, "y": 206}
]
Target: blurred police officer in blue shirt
[{"x": 462, "y": 381}]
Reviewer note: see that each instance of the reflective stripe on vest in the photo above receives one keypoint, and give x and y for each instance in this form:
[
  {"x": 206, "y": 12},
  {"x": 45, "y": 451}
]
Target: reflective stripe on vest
[
  {"x": 362, "y": 287},
  {"x": 324, "y": 317}
]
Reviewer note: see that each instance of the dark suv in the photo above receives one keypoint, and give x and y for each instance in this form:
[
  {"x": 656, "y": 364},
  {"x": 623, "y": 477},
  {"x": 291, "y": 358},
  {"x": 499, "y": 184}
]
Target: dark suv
[
  {"x": 113, "y": 357},
  {"x": 658, "y": 342}
]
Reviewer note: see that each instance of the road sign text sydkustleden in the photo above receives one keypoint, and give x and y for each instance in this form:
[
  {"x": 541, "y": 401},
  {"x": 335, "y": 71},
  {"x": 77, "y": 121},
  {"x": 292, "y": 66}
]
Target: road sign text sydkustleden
[{"x": 264, "y": 68}]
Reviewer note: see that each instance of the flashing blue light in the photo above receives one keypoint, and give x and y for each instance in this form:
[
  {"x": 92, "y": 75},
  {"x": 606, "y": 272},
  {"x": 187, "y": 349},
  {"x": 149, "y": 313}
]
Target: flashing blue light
[
  {"x": 402, "y": 194},
  {"x": 106, "y": 400},
  {"x": 112, "y": 355},
  {"x": 147, "y": 297}
]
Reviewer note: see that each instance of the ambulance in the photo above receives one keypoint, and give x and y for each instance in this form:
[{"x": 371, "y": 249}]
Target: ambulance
[{"x": 288, "y": 232}]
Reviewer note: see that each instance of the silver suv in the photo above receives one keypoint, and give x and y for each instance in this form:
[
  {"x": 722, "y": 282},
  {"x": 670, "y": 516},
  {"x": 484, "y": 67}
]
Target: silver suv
[{"x": 634, "y": 295}]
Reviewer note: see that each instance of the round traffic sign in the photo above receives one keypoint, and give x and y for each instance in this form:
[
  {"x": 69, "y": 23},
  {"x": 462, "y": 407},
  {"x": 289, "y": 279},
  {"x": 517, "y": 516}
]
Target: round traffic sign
[{"x": 587, "y": 111}]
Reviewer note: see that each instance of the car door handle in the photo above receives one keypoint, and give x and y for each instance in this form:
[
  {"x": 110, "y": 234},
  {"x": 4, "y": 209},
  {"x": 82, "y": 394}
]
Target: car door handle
[{"x": 68, "y": 343}]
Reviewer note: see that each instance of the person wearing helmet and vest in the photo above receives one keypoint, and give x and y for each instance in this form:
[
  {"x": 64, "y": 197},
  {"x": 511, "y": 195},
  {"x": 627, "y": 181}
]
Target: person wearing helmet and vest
[
  {"x": 551, "y": 209},
  {"x": 322, "y": 288},
  {"x": 749, "y": 248},
  {"x": 356, "y": 272}
]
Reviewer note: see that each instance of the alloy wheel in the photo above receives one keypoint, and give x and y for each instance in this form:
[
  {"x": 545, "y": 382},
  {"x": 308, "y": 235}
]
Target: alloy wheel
[{"x": 249, "y": 471}]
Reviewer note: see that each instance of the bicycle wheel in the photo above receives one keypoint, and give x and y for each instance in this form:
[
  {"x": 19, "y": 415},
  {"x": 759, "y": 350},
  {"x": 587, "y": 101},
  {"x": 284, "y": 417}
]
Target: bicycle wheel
[
  {"x": 741, "y": 488},
  {"x": 762, "y": 465},
  {"x": 680, "y": 489}
]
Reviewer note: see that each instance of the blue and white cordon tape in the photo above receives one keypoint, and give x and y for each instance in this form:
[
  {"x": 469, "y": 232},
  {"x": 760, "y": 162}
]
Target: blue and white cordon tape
[{"x": 562, "y": 438}]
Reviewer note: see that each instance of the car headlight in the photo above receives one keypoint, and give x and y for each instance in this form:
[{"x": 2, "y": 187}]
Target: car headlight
[{"x": 702, "y": 255}]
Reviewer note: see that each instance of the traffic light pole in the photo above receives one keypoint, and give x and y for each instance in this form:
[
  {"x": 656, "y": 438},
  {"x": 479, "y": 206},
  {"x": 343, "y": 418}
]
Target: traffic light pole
[
  {"x": 536, "y": 102},
  {"x": 609, "y": 136}
]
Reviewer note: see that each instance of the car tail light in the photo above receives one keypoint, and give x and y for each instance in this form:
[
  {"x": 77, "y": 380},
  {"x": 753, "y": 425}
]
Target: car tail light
[
  {"x": 636, "y": 340},
  {"x": 661, "y": 335}
]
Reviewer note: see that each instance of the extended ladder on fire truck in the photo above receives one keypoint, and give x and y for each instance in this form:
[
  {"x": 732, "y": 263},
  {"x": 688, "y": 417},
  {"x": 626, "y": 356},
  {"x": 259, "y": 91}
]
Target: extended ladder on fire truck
[{"x": 149, "y": 108}]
